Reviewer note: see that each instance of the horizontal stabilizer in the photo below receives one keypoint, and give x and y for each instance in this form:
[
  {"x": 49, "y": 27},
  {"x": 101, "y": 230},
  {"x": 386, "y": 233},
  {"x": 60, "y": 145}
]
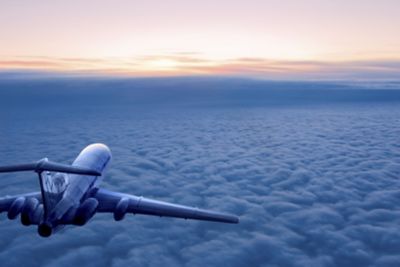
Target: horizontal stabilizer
[{"x": 45, "y": 165}]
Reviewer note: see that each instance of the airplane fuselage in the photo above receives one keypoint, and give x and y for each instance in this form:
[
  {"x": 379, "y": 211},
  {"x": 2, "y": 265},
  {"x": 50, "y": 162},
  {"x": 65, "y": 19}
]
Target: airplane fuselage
[{"x": 67, "y": 197}]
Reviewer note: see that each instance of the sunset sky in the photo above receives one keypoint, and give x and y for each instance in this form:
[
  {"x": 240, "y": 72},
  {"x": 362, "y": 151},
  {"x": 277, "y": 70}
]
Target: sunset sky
[{"x": 268, "y": 38}]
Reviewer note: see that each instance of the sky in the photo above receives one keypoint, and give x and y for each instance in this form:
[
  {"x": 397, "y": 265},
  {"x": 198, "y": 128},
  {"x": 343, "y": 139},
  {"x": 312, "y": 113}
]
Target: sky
[{"x": 269, "y": 38}]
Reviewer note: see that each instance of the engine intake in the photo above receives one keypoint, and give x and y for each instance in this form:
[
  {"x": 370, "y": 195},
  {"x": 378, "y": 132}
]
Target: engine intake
[
  {"x": 45, "y": 230},
  {"x": 28, "y": 211},
  {"x": 16, "y": 208},
  {"x": 85, "y": 211},
  {"x": 120, "y": 209}
]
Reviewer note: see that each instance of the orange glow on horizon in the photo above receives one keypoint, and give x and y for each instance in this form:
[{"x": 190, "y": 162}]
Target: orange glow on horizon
[{"x": 189, "y": 64}]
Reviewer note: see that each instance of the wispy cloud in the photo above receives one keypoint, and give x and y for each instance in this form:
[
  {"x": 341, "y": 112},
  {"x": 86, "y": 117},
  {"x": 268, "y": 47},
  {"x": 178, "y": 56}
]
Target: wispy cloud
[{"x": 195, "y": 64}]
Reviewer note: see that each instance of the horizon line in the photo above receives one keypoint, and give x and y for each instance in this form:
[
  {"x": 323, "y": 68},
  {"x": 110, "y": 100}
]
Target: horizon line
[{"x": 190, "y": 65}]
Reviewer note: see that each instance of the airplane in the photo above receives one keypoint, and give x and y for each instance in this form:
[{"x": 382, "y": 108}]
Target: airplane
[{"x": 70, "y": 195}]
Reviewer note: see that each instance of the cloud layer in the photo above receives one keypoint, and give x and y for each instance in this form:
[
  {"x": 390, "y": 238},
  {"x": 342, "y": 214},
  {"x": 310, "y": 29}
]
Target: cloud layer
[{"x": 314, "y": 177}]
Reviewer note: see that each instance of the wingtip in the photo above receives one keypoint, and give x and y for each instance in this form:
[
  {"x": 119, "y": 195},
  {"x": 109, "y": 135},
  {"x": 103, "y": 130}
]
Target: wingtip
[
  {"x": 235, "y": 220},
  {"x": 232, "y": 219}
]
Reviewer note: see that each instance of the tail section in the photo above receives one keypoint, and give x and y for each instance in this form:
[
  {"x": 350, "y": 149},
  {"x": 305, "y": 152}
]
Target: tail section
[
  {"x": 45, "y": 165},
  {"x": 51, "y": 186}
]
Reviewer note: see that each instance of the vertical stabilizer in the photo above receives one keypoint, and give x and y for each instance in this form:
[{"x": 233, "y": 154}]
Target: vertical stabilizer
[{"x": 52, "y": 187}]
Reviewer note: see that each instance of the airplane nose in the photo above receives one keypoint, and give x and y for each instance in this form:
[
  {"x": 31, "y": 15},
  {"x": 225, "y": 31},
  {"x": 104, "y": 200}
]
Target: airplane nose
[{"x": 45, "y": 229}]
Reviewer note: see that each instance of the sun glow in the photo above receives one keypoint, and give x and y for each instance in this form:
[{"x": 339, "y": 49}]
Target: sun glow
[{"x": 161, "y": 64}]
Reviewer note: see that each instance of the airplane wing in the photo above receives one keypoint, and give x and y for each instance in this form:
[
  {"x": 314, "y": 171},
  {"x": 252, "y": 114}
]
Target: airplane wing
[
  {"x": 7, "y": 201},
  {"x": 119, "y": 204},
  {"x": 30, "y": 206}
]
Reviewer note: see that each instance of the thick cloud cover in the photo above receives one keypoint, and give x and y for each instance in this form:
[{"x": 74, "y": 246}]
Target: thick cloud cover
[{"x": 312, "y": 169}]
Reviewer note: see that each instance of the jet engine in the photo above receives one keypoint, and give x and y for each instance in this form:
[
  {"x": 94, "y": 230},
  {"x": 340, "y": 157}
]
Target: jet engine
[
  {"x": 16, "y": 208},
  {"x": 85, "y": 211},
  {"x": 28, "y": 211},
  {"x": 45, "y": 229},
  {"x": 120, "y": 209}
]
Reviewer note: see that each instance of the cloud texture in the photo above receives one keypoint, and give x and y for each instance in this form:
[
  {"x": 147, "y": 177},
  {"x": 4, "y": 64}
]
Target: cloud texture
[{"x": 314, "y": 177}]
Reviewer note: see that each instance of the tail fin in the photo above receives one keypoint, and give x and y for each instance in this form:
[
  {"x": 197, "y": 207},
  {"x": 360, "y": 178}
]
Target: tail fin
[{"x": 45, "y": 165}]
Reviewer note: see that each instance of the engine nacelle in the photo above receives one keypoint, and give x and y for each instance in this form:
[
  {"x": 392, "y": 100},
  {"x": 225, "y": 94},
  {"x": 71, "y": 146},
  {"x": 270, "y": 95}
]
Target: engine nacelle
[
  {"x": 16, "y": 208},
  {"x": 38, "y": 214},
  {"x": 28, "y": 211},
  {"x": 69, "y": 216},
  {"x": 86, "y": 211},
  {"x": 120, "y": 209}
]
